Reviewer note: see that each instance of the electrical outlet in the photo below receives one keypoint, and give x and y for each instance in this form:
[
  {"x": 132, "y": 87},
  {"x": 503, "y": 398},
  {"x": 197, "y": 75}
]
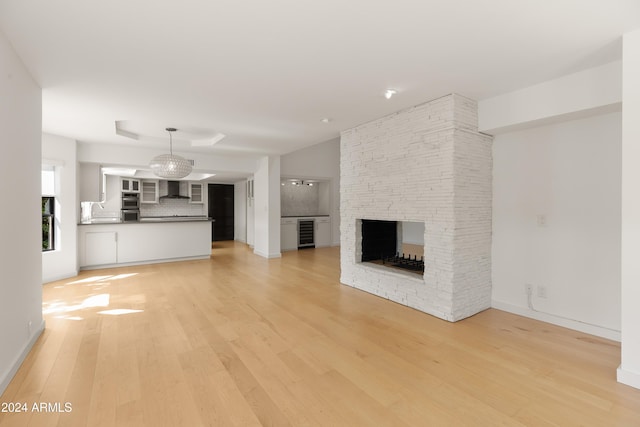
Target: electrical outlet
[
  {"x": 528, "y": 288},
  {"x": 542, "y": 291}
]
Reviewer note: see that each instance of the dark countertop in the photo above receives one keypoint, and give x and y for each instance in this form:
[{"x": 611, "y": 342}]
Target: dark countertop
[
  {"x": 175, "y": 218},
  {"x": 303, "y": 216},
  {"x": 147, "y": 220}
]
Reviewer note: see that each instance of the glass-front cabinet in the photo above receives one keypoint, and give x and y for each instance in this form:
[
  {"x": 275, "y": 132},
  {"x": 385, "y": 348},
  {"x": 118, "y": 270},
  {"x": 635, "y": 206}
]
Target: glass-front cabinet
[
  {"x": 130, "y": 185},
  {"x": 149, "y": 192},
  {"x": 196, "y": 192}
]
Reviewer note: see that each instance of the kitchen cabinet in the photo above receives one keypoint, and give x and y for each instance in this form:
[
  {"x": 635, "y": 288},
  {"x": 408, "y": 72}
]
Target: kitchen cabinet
[
  {"x": 150, "y": 191},
  {"x": 320, "y": 234},
  {"x": 100, "y": 248},
  {"x": 130, "y": 185},
  {"x": 323, "y": 232},
  {"x": 102, "y": 245},
  {"x": 196, "y": 192},
  {"x": 288, "y": 234}
]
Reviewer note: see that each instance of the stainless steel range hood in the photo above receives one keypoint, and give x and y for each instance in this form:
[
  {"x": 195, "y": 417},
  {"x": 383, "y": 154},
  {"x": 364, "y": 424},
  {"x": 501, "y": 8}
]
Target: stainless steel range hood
[{"x": 173, "y": 191}]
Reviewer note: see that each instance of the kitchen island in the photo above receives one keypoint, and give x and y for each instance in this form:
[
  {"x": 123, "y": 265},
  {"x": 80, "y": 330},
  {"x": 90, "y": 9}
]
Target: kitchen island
[{"x": 104, "y": 243}]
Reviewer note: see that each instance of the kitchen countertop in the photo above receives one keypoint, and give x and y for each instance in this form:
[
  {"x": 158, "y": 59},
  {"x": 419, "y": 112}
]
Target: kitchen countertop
[
  {"x": 148, "y": 219},
  {"x": 303, "y": 216}
]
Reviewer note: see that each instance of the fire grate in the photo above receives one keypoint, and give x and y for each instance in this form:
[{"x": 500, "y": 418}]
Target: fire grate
[{"x": 406, "y": 262}]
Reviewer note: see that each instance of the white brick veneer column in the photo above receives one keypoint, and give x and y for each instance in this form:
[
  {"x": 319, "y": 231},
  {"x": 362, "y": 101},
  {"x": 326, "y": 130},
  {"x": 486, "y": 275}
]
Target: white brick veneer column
[{"x": 425, "y": 164}]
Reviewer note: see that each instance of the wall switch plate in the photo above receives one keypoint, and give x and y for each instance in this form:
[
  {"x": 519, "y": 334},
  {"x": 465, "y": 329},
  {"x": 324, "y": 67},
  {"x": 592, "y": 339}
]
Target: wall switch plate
[
  {"x": 542, "y": 291},
  {"x": 541, "y": 220},
  {"x": 528, "y": 288}
]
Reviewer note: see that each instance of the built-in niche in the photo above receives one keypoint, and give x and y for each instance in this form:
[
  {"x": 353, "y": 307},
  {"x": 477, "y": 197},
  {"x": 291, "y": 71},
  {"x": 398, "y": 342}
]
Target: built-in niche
[
  {"x": 304, "y": 197},
  {"x": 394, "y": 244}
]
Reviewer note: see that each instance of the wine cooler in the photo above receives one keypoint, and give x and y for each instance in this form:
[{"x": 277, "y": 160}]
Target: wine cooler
[{"x": 306, "y": 229}]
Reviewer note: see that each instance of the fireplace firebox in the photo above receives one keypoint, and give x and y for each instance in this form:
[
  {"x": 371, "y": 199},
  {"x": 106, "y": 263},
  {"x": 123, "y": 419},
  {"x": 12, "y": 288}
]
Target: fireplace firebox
[
  {"x": 383, "y": 243},
  {"x": 379, "y": 239}
]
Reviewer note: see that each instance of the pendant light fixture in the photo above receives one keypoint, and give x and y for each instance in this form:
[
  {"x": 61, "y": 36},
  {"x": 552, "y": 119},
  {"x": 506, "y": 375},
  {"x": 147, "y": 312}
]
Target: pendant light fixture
[{"x": 170, "y": 166}]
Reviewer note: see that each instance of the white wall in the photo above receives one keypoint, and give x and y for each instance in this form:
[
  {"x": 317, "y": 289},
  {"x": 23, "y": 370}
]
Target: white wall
[
  {"x": 251, "y": 217},
  {"x": 20, "y": 221},
  {"x": 413, "y": 233},
  {"x": 63, "y": 261},
  {"x": 570, "y": 174},
  {"x": 325, "y": 200},
  {"x": 267, "y": 207},
  {"x": 240, "y": 211},
  {"x": 320, "y": 161},
  {"x": 629, "y": 371},
  {"x": 112, "y": 203},
  {"x": 590, "y": 92}
]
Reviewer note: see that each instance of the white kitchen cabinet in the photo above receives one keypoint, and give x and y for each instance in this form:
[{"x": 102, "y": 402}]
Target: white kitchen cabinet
[
  {"x": 100, "y": 248},
  {"x": 196, "y": 190},
  {"x": 323, "y": 232},
  {"x": 110, "y": 245},
  {"x": 150, "y": 191},
  {"x": 288, "y": 234},
  {"x": 130, "y": 185}
]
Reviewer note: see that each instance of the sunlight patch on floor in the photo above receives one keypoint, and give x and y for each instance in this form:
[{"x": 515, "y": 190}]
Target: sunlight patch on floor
[
  {"x": 101, "y": 300},
  {"x": 94, "y": 279},
  {"x": 69, "y": 317},
  {"x": 119, "y": 311}
]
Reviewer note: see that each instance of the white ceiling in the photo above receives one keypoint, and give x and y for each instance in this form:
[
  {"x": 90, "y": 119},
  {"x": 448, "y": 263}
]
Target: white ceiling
[{"x": 264, "y": 73}]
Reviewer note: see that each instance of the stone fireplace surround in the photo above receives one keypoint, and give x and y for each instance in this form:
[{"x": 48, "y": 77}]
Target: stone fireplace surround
[{"x": 428, "y": 164}]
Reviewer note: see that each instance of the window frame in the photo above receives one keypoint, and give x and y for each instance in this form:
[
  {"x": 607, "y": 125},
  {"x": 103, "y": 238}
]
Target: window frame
[{"x": 48, "y": 223}]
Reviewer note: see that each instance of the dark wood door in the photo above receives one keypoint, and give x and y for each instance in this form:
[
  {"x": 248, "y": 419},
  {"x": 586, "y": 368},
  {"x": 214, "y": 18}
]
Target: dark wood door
[{"x": 221, "y": 210}]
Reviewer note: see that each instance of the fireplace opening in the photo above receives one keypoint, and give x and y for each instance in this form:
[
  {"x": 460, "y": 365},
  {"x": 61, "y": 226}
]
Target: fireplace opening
[{"x": 393, "y": 244}]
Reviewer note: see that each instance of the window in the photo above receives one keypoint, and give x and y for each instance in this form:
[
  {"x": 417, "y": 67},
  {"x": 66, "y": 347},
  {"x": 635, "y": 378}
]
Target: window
[
  {"x": 48, "y": 208},
  {"x": 48, "y": 223}
]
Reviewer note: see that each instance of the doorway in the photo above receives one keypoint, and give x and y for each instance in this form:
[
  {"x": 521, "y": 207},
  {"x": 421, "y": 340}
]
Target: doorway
[{"x": 221, "y": 210}]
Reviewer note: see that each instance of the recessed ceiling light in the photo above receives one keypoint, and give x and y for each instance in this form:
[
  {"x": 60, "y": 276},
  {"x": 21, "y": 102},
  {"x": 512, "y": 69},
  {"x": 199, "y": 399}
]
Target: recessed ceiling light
[
  {"x": 389, "y": 93},
  {"x": 325, "y": 120}
]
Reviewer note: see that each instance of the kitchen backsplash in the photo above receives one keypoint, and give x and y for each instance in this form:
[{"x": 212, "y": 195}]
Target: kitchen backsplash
[
  {"x": 299, "y": 200},
  {"x": 168, "y": 207}
]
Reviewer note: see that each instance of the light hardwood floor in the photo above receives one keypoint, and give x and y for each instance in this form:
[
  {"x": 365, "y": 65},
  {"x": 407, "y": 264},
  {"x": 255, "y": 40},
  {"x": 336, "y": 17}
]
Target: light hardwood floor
[{"x": 239, "y": 340}]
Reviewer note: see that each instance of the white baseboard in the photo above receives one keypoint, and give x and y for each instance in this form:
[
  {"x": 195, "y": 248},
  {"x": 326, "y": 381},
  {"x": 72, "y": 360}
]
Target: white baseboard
[
  {"x": 629, "y": 378},
  {"x": 559, "y": 321},
  {"x": 59, "y": 277},
  {"x": 151, "y": 261},
  {"x": 265, "y": 255},
  {"x": 9, "y": 374}
]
